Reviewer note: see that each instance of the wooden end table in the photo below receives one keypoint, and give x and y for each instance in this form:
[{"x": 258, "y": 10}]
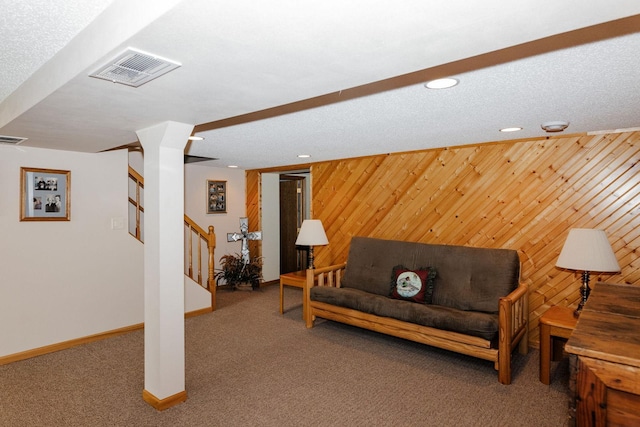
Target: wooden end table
[
  {"x": 296, "y": 279},
  {"x": 556, "y": 322}
]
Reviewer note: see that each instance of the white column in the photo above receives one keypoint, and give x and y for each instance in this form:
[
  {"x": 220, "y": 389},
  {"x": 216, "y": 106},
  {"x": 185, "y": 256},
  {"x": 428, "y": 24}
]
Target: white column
[{"x": 164, "y": 360}]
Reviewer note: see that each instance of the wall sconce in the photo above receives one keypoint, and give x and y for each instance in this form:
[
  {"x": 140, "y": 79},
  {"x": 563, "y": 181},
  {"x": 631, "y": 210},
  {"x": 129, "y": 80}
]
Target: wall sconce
[
  {"x": 587, "y": 250},
  {"x": 311, "y": 234}
]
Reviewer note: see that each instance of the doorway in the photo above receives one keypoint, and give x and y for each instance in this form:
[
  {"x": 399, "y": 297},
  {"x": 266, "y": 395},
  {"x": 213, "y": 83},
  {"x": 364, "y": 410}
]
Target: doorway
[{"x": 292, "y": 212}]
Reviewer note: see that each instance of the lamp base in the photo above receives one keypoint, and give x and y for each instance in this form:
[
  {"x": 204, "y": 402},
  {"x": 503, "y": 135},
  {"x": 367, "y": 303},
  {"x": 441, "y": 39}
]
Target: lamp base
[
  {"x": 310, "y": 265},
  {"x": 584, "y": 292}
]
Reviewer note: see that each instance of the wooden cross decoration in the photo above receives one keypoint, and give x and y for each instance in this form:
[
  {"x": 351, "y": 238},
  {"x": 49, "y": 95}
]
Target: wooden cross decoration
[{"x": 245, "y": 236}]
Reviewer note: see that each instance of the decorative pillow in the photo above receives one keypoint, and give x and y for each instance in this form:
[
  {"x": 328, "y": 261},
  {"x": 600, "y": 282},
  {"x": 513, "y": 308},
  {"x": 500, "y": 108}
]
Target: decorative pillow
[{"x": 413, "y": 285}]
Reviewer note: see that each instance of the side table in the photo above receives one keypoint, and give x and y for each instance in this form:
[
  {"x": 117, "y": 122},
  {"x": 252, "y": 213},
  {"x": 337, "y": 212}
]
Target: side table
[
  {"x": 296, "y": 279},
  {"x": 556, "y": 322}
]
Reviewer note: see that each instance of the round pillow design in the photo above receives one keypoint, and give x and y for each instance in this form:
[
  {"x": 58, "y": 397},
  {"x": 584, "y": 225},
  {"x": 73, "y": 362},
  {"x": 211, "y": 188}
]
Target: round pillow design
[
  {"x": 412, "y": 285},
  {"x": 408, "y": 284}
]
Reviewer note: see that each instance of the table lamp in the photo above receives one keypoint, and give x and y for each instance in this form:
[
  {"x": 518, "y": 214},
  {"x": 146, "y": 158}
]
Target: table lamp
[
  {"x": 311, "y": 234},
  {"x": 587, "y": 250}
]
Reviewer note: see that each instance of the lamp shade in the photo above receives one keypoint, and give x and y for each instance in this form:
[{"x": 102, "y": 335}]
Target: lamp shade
[
  {"x": 312, "y": 233},
  {"x": 588, "y": 249}
]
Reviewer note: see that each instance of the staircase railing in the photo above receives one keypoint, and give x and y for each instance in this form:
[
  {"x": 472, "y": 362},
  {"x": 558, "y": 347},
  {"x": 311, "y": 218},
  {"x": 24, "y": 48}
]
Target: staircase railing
[
  {"x": 199, "y": 244},
  {"x": 203, "y": 243},
  {"x": 136, "y": 211}
]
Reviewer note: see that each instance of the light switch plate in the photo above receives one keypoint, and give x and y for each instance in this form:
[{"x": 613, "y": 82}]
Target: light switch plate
[{"x": 117, "y": 223}]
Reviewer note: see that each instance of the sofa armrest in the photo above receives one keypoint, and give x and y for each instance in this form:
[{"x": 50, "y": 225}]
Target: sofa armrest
[
  {"x": 325, "y": 276},
  {"x": 513, "y": 329}
]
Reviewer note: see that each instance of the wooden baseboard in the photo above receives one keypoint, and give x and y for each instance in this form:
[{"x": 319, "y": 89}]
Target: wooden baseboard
[
  {"x": 198, "y": 312},
  {"x": 261, "y": 285},
  {"x": 167, "y": 402},
  {"x": 84, "y": 340},
  {"x": 67, "y": 344}
]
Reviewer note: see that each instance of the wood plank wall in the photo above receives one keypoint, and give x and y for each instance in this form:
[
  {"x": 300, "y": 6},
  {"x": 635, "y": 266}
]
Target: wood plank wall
[
  {"x": 523, "y": 195},
  {"x": 254, "y": 208}
]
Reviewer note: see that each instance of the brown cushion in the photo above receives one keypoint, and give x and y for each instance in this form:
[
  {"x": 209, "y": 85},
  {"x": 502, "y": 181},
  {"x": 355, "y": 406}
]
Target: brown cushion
[
  {"x": 468, "y": 278},
  {"x": 483, "y": 325}
]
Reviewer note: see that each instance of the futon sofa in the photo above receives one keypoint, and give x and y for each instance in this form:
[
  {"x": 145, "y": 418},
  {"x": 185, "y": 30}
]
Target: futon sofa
[{"x": 464, "y": 299}]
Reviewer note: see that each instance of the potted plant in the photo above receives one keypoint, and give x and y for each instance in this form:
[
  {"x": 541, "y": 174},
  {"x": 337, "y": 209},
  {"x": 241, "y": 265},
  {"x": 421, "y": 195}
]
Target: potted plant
[{"x": 235, "y": 272}]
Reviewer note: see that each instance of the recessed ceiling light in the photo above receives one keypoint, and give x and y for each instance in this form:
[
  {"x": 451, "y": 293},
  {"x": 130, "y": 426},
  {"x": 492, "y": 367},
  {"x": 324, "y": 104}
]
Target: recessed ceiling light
[
  {"x": 513, "y": 129},
  {"x": 304, "y": 156},
  {"x": 232, "y": 166},
  {"x": 195, "y": 138},
  {"x": 442, "y": 83}
]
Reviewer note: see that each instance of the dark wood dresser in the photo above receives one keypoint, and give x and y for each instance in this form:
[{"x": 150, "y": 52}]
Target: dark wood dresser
[{"x": 605, "y": 358}]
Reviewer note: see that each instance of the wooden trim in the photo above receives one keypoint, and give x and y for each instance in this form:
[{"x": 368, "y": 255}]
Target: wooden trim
[
  {"x": 625, "y": 379},
  {"x": 199, "y": 230},
  {"x": 208, "y": 237},
  {"x": 472, "y": 346},
  {"x": 137, "y": 177},
  {"x": 515, "y": 195},
  {"x": 301, "y": 167},
  {"x": 513, "y": 323},
  {"x": 167, "y": 402},
  {"x": 67, "y": 344},
  {"x": 27, "y": 186},
  {"x": 513, "y": 326},
  {"x": 591, "y": 396},
  {"x": 16, "y": 357},
  {"x": 311, "y": 281},
  {"x": 568, "y": 39},
  {"x": 198, "y": 312},
  {"x": 135, "y": 204},
  {"x": 138, "y": 180}
]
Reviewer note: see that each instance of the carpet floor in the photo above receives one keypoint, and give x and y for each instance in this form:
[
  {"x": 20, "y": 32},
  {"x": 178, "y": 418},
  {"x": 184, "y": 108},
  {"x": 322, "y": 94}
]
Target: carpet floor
[{"x": 248, "y": 365}]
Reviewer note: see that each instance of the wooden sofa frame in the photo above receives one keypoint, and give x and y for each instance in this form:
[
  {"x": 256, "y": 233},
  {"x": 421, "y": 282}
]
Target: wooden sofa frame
[{"x": 513, "y": 323}]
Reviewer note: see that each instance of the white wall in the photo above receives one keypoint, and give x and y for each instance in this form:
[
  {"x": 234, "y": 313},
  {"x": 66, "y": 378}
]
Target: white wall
[
  {"x": 195, "y": 205},
  {"x": 271, "y": 226},
  {"x": 271, "y": 219},
  {"x": 195, "y": 194},
  {"x": 66, "y": 280}
]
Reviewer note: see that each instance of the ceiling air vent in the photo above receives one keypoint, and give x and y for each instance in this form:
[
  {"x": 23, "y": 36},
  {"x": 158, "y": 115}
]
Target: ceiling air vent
[
  {"x": 13, "y": 140},
  {"x": 135, "y": 68}
]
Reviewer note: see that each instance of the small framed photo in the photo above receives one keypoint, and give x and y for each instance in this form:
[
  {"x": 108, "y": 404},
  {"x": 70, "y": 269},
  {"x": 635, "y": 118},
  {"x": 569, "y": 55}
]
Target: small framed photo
[
  {"x": 45, "y": 194},
  {"x": 216, "y": 197}
]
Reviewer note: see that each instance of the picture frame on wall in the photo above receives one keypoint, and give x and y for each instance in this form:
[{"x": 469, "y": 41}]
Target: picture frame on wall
[
  {"x": 216, "y": 197},
  {"x": 45, "y": 194}
]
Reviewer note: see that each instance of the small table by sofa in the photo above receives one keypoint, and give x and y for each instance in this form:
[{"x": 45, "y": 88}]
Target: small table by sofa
[
  {"x": 296, "y": 279},
  {"x": 556, "y": 322}
]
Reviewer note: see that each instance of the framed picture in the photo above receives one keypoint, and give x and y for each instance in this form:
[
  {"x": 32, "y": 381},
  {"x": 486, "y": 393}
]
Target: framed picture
[
  {"x": 216, "y": 197},
  {"x": 45, "y": 194}
]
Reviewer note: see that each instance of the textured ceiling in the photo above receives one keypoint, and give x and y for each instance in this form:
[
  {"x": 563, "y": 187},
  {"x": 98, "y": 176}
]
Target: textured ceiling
[
  {"x": 264, "y": 82},
  {"x": 33, "y": 31}
]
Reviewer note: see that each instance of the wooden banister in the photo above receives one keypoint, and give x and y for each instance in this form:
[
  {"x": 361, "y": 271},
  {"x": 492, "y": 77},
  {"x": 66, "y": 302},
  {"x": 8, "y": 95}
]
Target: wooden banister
[
  {"x": 138, "y": 181},
  {"x": 196, "y": 239},
  {"x": 202, "y": 237}
]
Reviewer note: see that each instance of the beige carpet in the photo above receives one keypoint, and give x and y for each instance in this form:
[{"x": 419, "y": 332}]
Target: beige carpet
[{"x": 247, "y": 365}]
